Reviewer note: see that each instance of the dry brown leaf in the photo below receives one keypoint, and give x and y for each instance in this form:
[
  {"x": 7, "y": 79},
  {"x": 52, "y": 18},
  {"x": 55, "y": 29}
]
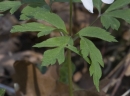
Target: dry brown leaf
[
  {"x": 33, "y": 83},
  {"x": 8, "y": 61},
  {"x": 127, "y": 72},
  {"x": 126, "y": 35},
  {"x": 63, "y": 90}
]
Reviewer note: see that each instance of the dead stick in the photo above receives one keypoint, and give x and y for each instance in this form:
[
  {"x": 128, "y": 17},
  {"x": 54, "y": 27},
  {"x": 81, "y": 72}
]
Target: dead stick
[
  {"x": 7, "y": 88},
  {"x": 116, "y": 68},
  {"x": 121, "y": 76}
]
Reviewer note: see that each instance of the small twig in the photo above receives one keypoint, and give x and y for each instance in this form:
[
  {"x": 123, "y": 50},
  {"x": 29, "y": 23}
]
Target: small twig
[
  {"x": 116, "y": 68},
  {"x": 116, "y": 87},
  {"x": 122, "y": 75},
  {"x": 126, "y": 93},
  {"x": 61, "y": 34},
  {"x": 112, "y": 83},
  {"x": 7, "y": 88}
]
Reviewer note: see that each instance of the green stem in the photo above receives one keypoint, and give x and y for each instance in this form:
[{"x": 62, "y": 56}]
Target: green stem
[
  {"x": 69, "y": 72},
  {"x": 95, "y": 20},
  {"x": 70, "y": 24},
  {"x": 76, "y": 36},
  {"x": 69, "y": 55}
]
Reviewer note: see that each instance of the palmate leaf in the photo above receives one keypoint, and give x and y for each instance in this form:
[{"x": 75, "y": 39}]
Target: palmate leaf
[
  {"x": 31, "y": 27},
  {"x": 9, "y": 5},
  {"x": 57, "y": 54},
  {"x": 51, "y": 56},
  {"x": 122, "y": 14},
  {"x": 54, "y": 42},
  {"x": 89, "y": 49},
  {"x": 45, "y": 15},
  {"x": 97, "y": 33},
  {"x": 118, "y": 4},
  {"x": 2, "y": 92},
  {"x": 108, "y": 21}
]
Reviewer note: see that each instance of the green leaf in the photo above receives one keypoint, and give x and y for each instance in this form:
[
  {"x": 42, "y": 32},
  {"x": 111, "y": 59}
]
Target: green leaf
[
  {"x": 87, "y": 60},
  {"x": 118, "y": 4},
  {"x": 31, "y": 10},
  {"x": 66, "y": 0},
  {"x": 98, "y": 4},
  {"x": 109, "y": 21},
  {"x": 97, "y": 33},
  {"x": 9, "y": 5},
  {"x": 84, "y": 48},
  {"x": 43, "y": 33},
  {"x": 63, "y": 71},
  {"x": 122, "y": 14},
  {"x": 2, "y": 92},
  {"x": 31, "y": 27},
  {"x": 33, "y": 1},
  {"x": 88, "y": 48},
  {"x": 72, "y": 48},
  {"x": 51, "y": 18},
  {"x": 71, "y": 42},
  {"x": 95, "y": 54},
  {"x": 51, "y": 56},
  {"x": 95, "y": 71},
  {"x": 96, "y": 59},
  {"x": 54, "y": 42}
]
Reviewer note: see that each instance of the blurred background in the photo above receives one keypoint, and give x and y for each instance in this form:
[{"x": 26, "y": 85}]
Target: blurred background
[{"x": 116, "y": 56}]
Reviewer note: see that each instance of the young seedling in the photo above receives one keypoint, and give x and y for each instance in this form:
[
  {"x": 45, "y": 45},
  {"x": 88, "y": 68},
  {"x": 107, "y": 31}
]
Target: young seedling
[{"x": 40, "y": 10}]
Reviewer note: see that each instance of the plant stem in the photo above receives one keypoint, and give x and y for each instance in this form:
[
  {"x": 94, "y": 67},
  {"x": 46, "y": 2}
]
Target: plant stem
[
  {"x": 69, "y": 72},
  {"x": 70, "y": 23},
  {"x": 95, "y": 20},
  {"x": 76, "y": 36},
  {"x": 69, "y": 55}
]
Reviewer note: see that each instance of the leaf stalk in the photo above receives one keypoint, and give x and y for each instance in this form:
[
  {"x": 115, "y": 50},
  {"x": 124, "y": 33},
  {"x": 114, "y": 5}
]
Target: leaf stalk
[
  {"x": 69, "y": 54},
  {"x": 69, "y": 72}
]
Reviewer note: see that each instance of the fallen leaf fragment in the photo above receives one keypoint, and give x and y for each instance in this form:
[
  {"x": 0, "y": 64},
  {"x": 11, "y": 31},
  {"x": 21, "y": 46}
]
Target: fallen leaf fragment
[{"x": 31, "y": 81}]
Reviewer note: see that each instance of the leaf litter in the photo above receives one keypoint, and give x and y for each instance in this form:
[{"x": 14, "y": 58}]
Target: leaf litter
[{"x": 33, "y": 83}]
